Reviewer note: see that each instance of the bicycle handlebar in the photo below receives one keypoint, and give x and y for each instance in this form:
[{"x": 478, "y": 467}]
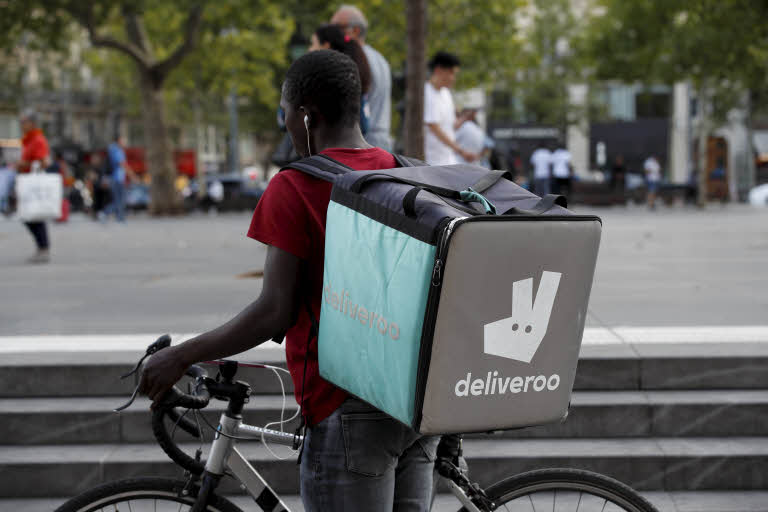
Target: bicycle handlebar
[
  {"x": 203, "y": 388},
  {"x": 197, "y": 400}
]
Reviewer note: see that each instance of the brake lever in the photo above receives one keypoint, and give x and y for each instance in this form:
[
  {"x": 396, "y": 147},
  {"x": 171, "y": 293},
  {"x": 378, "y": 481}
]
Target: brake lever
[
  {"x": 130, "y": 400},
  {"x": 162, "y": 342}
]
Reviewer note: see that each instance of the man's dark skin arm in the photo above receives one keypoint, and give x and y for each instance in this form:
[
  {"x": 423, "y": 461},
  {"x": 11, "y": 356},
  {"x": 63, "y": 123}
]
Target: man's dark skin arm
[{"x": 270, "y": 315}]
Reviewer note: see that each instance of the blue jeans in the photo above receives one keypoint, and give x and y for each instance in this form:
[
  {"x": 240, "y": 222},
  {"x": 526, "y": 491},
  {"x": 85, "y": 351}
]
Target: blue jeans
[
  {"x": 359, "y": 458},
  {"x": 117, "y": 206}
]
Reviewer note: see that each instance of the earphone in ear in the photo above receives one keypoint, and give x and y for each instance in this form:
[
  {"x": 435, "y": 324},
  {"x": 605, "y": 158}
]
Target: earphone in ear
[{"x": 306, "y": 126}]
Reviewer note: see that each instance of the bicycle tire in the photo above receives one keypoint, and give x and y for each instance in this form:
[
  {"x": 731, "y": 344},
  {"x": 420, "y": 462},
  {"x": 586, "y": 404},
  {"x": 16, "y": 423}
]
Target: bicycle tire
[
  {"x": 164, "y": 490},
  {"x": 568, "y": 480}
]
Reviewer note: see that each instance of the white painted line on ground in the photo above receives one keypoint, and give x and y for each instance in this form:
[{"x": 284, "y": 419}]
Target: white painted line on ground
[
  {"x": 94, "y": 343},
  {"x": 592, "y": 336},
  {"x": 719, "y": 334}
]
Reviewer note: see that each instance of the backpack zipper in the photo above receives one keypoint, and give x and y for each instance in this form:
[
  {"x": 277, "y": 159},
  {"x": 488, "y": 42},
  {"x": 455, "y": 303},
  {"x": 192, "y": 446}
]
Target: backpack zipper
[{"x": 428, "y": 330}]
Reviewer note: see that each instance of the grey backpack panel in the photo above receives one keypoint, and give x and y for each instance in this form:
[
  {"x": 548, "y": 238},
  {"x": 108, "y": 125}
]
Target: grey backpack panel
[{"x": 483, "y": 264}]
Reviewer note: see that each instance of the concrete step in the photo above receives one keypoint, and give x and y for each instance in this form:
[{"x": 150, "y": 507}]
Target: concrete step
[
  {"x": 669, "y": 464},
  {"x": 701, "y": 501},
  {"x": 83, "y": 374},
  {"x": 667, "y": 366},
  {"x": 598, "y": 414},
  {"x": 81, "y": 420}
]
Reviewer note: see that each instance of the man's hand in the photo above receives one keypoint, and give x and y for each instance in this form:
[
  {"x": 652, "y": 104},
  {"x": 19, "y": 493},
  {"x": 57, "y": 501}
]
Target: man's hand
[
  {"x": 161, "y": 372},
  {"x": 468, "y": 155}
]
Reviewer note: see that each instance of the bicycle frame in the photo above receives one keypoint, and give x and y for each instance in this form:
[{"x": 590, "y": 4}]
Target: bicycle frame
[{"x": 225, "y": 456}]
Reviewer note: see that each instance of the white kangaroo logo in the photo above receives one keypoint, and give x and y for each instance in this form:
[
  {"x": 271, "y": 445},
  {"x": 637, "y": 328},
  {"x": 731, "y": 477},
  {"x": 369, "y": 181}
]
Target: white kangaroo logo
[{"x": 519, "y": 336}]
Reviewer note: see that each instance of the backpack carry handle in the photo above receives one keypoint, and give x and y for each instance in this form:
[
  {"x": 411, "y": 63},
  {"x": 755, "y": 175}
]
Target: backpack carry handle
[
  {"x": 409, "y": 203},
  {"x": 470, "y": 195},
  {"x": 545, "y": 204}
]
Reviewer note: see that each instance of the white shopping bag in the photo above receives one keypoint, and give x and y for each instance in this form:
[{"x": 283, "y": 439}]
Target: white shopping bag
[{"x": 38, "y": 196}]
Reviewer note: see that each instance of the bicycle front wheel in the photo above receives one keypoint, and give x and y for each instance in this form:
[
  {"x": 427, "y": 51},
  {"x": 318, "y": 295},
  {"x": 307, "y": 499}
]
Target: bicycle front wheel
[
  {"x": 565, "y": 490},
  {"x": 141, "y": 495}
]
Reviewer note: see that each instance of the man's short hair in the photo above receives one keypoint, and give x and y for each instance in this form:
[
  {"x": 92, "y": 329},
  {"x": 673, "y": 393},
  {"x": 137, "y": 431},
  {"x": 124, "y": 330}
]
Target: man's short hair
[
  {"x": 443, "y": 60},
  {"x": 356, "y": 18},
  {"x": 327, "y": 80}
]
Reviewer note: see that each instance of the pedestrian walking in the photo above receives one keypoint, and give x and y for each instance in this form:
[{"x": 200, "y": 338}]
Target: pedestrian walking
[
  {"x": 562, "y": 171},
  {"x": 440, "y": 124},
  {"x": 116, "y": 164},
  {"x": 541, "y": 161},
  {"x": 7, "y": 177},
  {"x": 618, "y": 177},
  {"x": 470, "y": 137},
  {"x": 331, "y": 37},
  {"x": 35, "y": 155},
  {"x": 99, "y": 184},
  {"x": 354, "y": 24},
  {"x": 652, "y": 170},
  {"x": 354, "y": 457}
]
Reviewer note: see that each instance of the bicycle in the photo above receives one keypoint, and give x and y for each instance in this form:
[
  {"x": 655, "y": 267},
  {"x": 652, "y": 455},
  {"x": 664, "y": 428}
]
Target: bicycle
[{"x": 533, "y": 490}]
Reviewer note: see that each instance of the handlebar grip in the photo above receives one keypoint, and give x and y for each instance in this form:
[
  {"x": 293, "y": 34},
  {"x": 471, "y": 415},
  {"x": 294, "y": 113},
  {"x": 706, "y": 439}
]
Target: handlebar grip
[
  {"x": 177, "y": 398},
  {"x": 199, "y": 400}
]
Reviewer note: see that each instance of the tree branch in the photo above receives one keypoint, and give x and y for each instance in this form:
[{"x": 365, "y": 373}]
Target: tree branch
[
  {"x": 127, "y": 48},
  {"x": 136, "y": 32},
  {"x": 191, "y": 33},
  {"x": 85, "y": 18}
]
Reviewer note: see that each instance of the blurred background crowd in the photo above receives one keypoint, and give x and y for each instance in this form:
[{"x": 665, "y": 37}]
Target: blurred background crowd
[{"x": 654, "y": 100}]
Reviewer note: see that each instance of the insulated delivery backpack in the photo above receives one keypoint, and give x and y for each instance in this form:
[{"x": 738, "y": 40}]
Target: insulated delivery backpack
[{"x": 453, "y": 299}]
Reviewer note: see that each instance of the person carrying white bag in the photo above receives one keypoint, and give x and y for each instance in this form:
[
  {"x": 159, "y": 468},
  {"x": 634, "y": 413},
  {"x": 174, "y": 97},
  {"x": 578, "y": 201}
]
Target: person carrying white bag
[{"x": 38, "y": 195}]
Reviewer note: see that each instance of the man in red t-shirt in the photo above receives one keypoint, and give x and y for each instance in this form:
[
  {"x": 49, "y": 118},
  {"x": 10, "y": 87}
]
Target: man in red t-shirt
[
  {"x": 34, "y": 155},
  {"x": 354, "y": 456}
]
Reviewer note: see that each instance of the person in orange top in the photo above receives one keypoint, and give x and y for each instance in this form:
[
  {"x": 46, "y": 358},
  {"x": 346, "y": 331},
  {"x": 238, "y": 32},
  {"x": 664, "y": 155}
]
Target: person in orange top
[{"x": 34, "y": 154}]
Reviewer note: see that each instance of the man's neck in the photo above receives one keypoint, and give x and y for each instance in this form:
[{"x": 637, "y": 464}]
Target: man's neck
[{"x": 344, "y": 138}]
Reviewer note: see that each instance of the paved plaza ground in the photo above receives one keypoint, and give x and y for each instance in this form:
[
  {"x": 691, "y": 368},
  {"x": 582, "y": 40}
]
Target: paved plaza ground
[{"x": 672, "y": 267}]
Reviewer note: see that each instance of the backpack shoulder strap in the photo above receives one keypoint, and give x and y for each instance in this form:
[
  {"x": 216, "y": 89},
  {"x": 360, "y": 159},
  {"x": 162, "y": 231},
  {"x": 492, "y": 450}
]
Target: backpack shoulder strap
[
  {"x": 406, "y": 161},
  {"x": 319, "y": 166}
]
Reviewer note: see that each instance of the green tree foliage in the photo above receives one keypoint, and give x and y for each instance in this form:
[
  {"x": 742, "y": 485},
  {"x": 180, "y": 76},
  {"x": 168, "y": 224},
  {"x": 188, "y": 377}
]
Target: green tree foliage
[
  {"x": 238, "y": 45},
  {"x": 718, "y": 45},
  {"x": 483, "y": 34}
]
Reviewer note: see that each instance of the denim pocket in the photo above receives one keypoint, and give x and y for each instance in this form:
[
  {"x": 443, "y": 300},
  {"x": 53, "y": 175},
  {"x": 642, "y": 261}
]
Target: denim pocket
[
  {"x": 372, "y": 442},
  {"x": 428, "y": 445}
]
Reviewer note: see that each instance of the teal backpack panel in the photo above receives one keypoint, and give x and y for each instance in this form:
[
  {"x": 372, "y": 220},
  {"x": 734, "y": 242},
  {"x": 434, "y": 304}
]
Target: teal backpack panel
[{"x": 376, "y": 283}]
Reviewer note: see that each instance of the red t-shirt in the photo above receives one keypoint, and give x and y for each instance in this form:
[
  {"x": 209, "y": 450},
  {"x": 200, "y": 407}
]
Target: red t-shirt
[{"x": 291, "y": 215}]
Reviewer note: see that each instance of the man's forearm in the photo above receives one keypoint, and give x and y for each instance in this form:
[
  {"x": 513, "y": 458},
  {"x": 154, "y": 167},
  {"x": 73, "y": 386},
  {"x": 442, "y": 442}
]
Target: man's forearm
[
  {"x": 251, "y": 327},
  {"x": 443, "y": 137}
]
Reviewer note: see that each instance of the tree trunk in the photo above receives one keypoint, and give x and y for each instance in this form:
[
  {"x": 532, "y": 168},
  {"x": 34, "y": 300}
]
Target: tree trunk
[
  {"x": 416, "y": 16},
  {"x": 159, "y": 156}
]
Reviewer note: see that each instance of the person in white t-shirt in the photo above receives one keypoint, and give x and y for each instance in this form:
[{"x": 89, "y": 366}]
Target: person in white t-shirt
[
  {"x": 440, "y": 147},
  {"x": 470, "y": 137},
  {"x": 541, "y": 160},
  {"x": 652, "y": 178},
  {"x": 562, "y": 171}
]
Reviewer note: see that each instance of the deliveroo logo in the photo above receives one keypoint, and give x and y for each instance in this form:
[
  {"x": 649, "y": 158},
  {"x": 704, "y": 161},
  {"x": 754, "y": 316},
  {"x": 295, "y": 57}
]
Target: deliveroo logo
[{"x": 519, "y": 336}]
